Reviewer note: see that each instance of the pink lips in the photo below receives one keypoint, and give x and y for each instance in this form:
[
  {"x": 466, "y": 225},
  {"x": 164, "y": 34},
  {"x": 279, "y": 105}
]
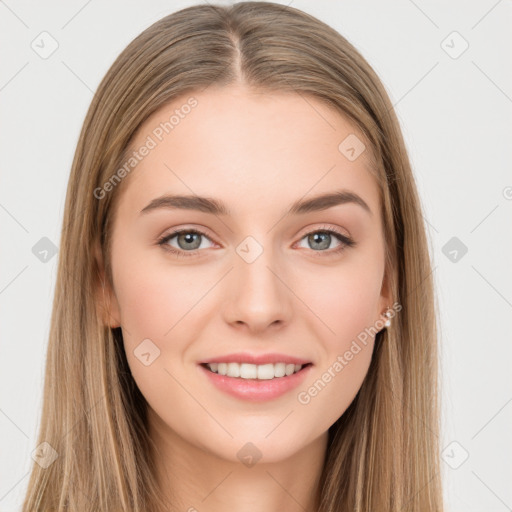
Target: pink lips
[{"x": 255, "y": 390}]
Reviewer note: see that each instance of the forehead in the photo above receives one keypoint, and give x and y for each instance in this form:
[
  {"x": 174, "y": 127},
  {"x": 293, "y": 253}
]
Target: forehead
[{"x": 250, "y": 149}]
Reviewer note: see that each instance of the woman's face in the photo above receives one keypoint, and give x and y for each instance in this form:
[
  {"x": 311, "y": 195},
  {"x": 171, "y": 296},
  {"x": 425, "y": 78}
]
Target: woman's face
[{"x": 261, "y": 277}]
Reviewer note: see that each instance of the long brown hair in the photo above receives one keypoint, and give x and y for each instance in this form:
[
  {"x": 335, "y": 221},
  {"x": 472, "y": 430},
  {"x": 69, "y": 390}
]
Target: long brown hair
[{"x": 383, "y": 452}]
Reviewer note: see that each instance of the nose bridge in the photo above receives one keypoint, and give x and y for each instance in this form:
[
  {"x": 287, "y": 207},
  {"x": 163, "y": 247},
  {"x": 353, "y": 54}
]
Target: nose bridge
[{"x": 259, "y": 296}]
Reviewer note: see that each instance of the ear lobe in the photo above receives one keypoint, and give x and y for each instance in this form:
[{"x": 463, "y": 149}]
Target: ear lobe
[{"x": 107, "y": 305}]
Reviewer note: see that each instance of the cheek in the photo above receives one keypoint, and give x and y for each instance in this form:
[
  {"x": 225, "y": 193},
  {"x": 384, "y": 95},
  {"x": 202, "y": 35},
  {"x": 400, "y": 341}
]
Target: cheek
[
  {"x": 335, "y": 384},
  {"x": 157, "y": 304},
  {"x": 345, "y": 301},
  {"x": 154, "y": 297}
]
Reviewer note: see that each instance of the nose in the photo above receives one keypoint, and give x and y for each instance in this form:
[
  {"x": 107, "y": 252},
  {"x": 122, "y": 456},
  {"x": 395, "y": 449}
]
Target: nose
[{"x": 258, "y": 295}]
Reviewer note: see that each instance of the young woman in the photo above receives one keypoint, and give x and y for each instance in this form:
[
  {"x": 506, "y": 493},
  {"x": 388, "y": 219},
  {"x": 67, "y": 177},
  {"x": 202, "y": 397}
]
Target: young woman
[{"x": 244, "y": 316}]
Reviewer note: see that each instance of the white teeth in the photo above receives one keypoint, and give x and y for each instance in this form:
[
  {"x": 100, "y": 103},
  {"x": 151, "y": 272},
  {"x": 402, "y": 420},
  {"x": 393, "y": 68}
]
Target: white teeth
[
  {"x": 247, "y": 371},
  {"x": 233, "y": 370},
  {"x": 279, "y": 370},
  {"x": 265, "y": 371},
  {"x": 253, "y": 371}
]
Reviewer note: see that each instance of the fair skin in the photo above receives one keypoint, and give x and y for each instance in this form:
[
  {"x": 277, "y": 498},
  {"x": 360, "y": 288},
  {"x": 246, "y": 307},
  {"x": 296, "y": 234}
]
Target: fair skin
[{"x": 258, "y": 154}]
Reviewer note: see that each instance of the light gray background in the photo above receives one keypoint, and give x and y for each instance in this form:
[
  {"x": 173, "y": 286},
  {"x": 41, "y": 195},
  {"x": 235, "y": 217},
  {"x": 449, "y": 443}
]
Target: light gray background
[{"x": 456, "y": 118}]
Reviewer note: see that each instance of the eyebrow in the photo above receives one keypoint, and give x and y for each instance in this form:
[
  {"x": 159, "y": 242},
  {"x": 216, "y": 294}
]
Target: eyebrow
[{"x": 216, "y": 207}]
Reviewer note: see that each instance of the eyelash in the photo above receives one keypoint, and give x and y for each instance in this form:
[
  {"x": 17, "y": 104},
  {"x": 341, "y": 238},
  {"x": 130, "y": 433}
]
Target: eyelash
[{"x": 345, "y": 241}]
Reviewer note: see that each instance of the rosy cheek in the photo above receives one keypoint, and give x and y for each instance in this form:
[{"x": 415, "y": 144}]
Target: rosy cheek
[
  {"x": 348, "y": 308},
  {"x": 154, "y": 299}
]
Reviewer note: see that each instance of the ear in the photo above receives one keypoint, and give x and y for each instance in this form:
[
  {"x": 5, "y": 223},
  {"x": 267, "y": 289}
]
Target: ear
[
  {"x": 108, "y": 307},
  {"x": 386, "y": 300}
]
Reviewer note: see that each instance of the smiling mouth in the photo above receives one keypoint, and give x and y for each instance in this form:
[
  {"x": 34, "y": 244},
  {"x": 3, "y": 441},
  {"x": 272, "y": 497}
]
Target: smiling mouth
[{"x": 249, "y": 371}]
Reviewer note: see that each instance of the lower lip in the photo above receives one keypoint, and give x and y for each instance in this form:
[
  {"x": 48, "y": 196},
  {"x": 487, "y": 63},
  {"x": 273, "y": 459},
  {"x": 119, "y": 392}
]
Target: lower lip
[{"x": 257, "y": 390}]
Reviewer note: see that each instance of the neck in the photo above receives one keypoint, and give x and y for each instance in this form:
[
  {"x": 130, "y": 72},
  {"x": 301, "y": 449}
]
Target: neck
[{"x": 194, "y": 479}]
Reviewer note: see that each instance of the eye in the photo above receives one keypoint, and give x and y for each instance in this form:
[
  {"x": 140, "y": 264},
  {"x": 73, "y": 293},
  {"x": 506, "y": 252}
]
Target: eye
[
  {"x": 321, "y": 239},
  {"x": 189, "y": 240}
]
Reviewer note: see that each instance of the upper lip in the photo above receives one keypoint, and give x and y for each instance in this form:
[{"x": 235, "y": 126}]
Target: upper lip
[{"x": 243, "y": 357}]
